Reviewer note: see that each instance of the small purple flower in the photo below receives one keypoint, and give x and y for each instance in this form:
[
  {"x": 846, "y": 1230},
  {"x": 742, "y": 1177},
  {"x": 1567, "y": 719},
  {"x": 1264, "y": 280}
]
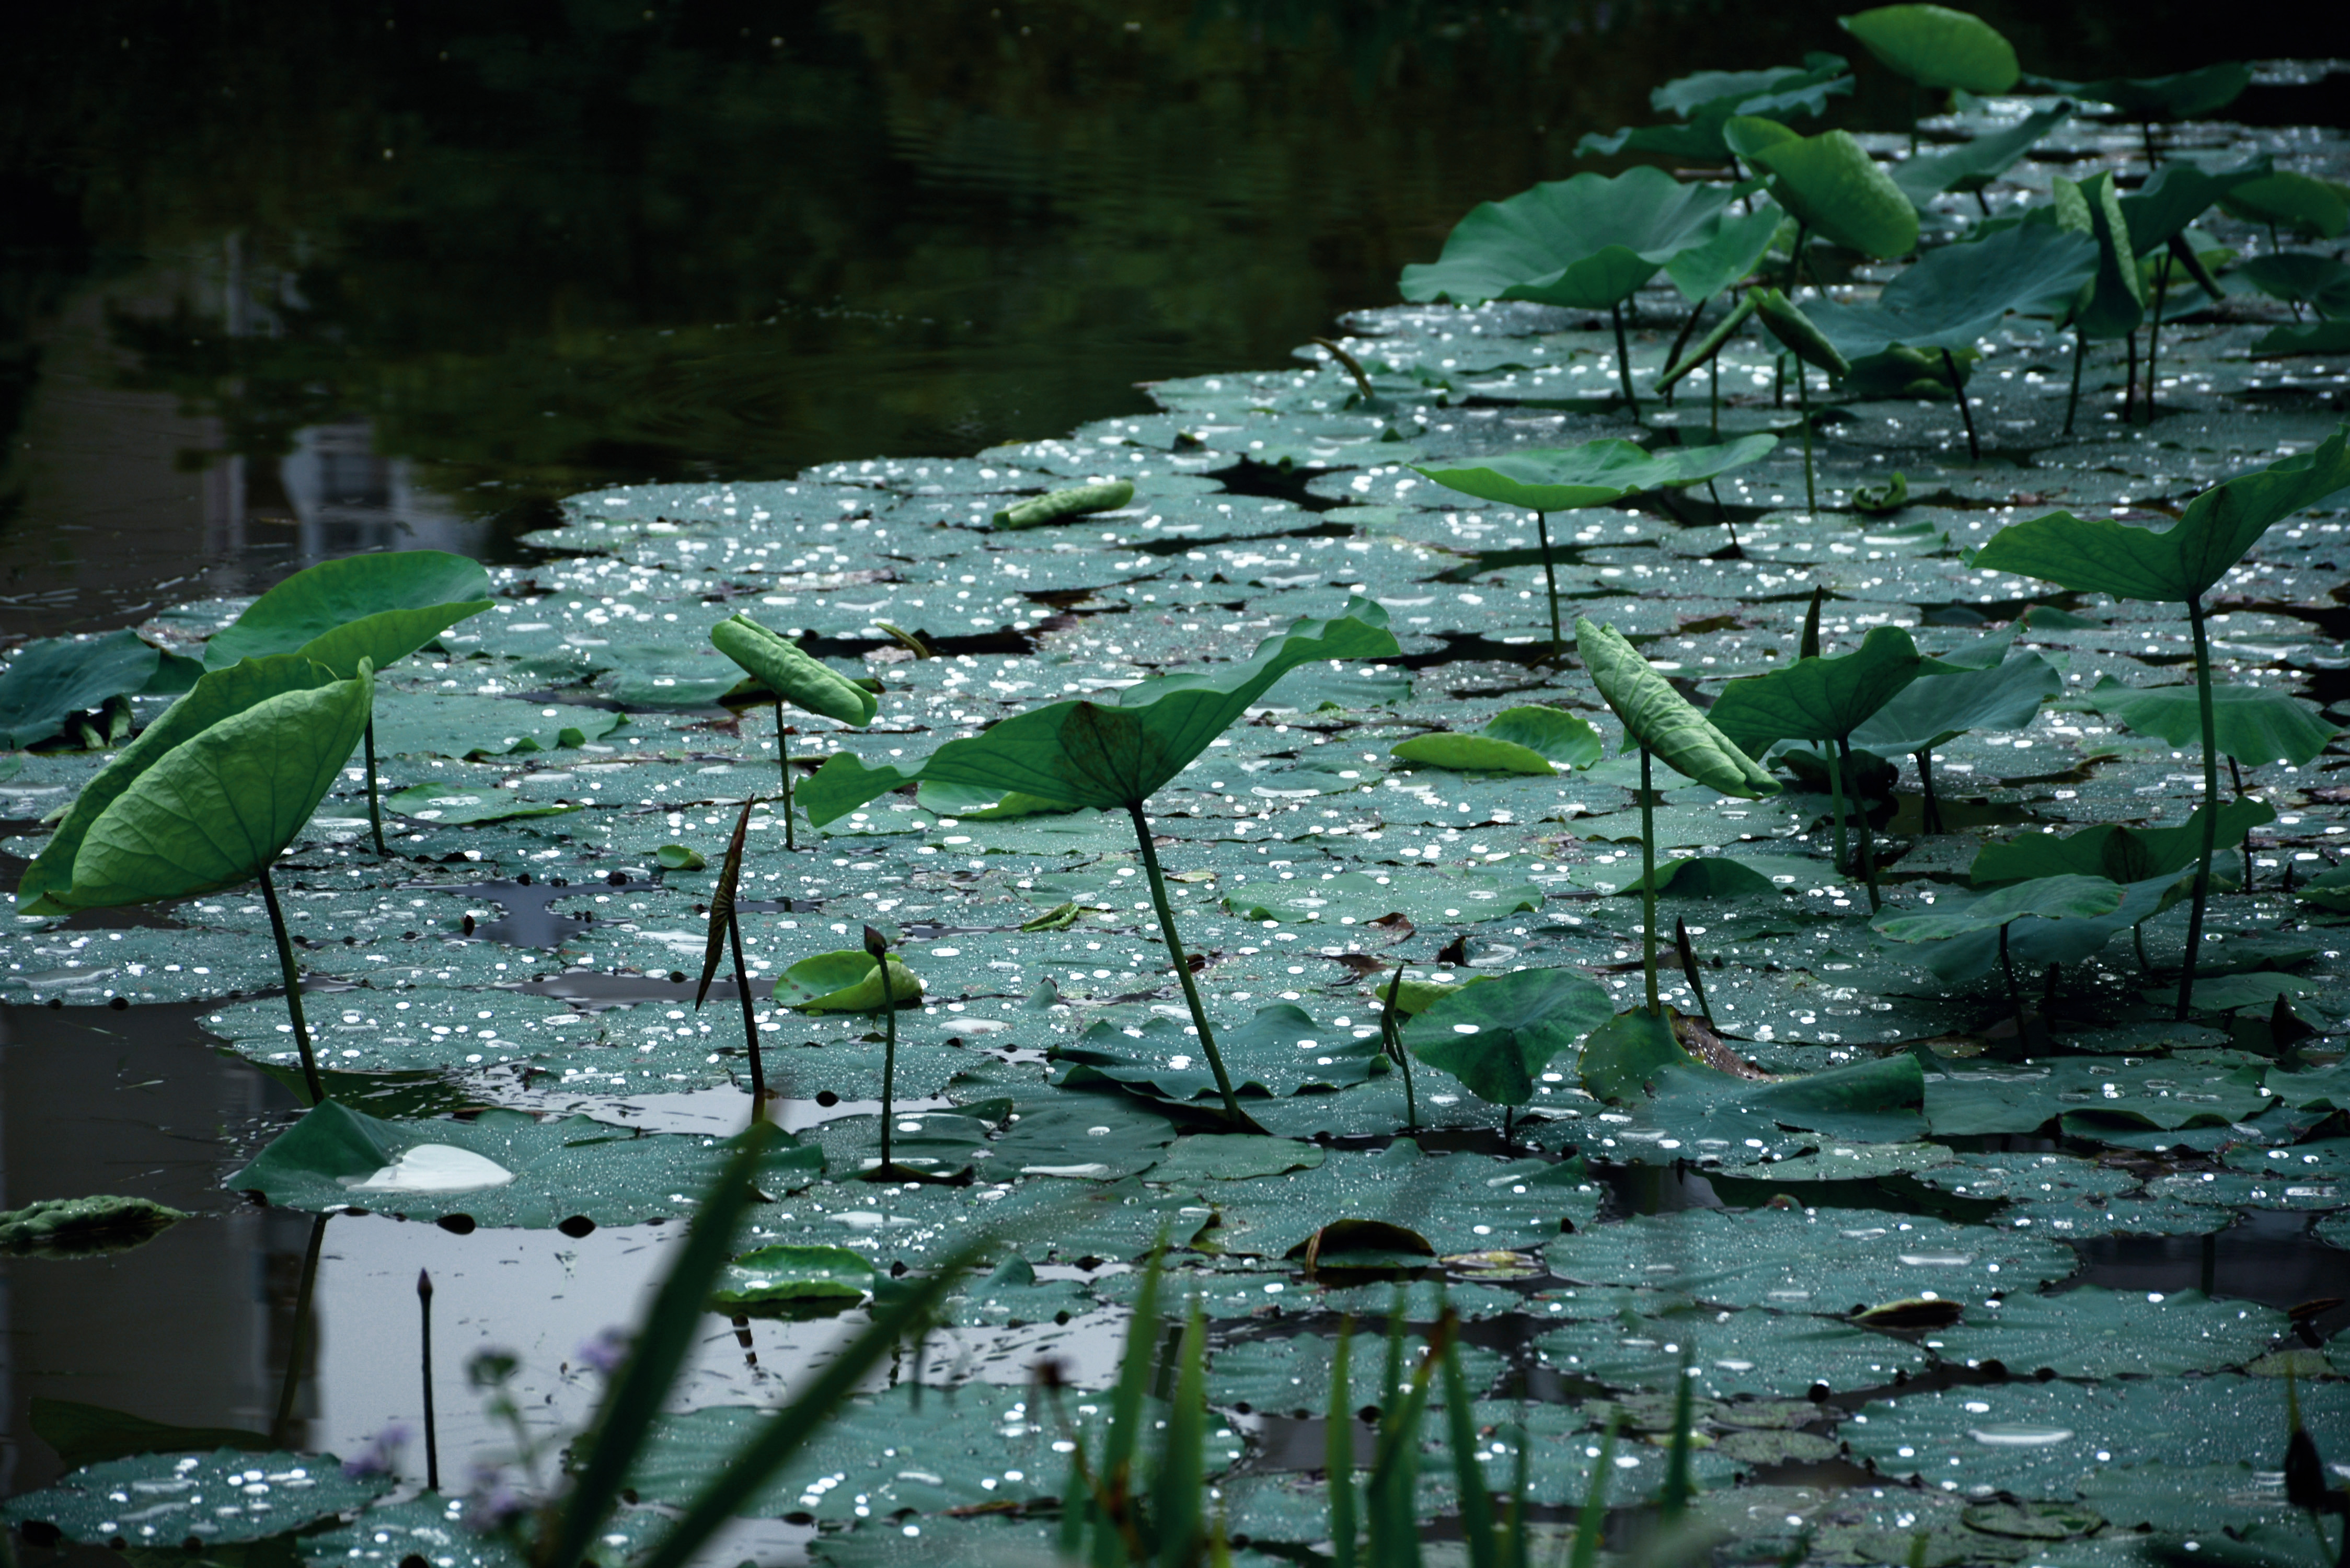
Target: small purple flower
[
  {"x": 605, "y": 1353},
  {"x": 493, "y": 1503},
  {"x": 381, "y": 1455}
]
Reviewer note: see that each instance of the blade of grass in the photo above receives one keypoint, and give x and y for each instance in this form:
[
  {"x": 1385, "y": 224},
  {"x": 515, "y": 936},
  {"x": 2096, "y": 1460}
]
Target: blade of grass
[
  {"x": 1178, "y": 1523},
  {"x": 1678, "y": 1491},
  {"x": 1460, "y": 1429},
  {"x": 1339, "y": 1451},
  {"x": 1591, "y": 1524}
]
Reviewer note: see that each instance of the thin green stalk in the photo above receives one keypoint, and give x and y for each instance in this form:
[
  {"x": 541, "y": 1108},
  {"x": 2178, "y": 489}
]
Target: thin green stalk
[
  {"x": 1460, "y": 1427},
  {"x": 1391, "y": 1035},
  {"x": 1932, "y": 811},
  {"x": 2210, "y": 805},
  {"x": 784, "y": 760},
  {"x": 1868, "y": 842},
  {"x": 2154, "y": 330},
  {"x": 881, "y": 952},
  {"x": 280, "y": 1433},
  {"x": 375, "y": 808},
  {"x": 1966, "y": 411},
  {"x": 1713, "y": 401},
  {"x": 431, "y": 1428},
  {"x": 1624, "y": 360},
  {"x": 2080, "y": 353},
  {"x": 1550, "y": 582},
  {"x": 2129, "y": 387},
  {"x": 1678, "y": 1489},
  {"x": 1338, "y": 1453},
  {"x": 1176, "y": 1518},
  {"x": 1649, "y": 878},
  {"x": 1690, "y": 969},
  {"x": 1835, "y": 802},
  {"x": 294, "y": 984},
  {"x": 1804, "y": 401},
  {"x": 1688, "y": 329},
  {"x": 751, "y": 1021},
  {"x": 1591, "y": 1524},
  {"x": 1183, "y": 971}
]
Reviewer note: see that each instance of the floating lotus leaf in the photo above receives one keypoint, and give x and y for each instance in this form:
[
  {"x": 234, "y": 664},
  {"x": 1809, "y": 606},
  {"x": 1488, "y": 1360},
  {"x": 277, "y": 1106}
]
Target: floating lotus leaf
[
  {"x": 1957, "y": 294},
  {"x": 223, "y": 1499},
  {"x": 49, "y": 681},
  {"x": 2253, "y": 726},
  {"x": 2097, "y": 555},
  {"x": 1935, "y": 47},
  {"x": 847, "y": 981},
  {"x": 806, "y": 683},
  {"x": 456, "y": 806},
  {"x": 789, "y": 1276},
  {"x": 2115, "y": 850},
  {"x": 2059, "y": 897},
  {"x": 1499, "y": 1037},
  {"x": 1591, "y": 241},
  {"x": 1532, "y": 740},
  {"x": 1662, "y": 720},
  {"x": 1595, "y": 473},
  {"x": 379, "y": 608}
]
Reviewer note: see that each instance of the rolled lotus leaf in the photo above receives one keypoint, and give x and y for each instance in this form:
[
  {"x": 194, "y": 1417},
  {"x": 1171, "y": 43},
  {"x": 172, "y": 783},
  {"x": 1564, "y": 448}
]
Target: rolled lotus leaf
[
  {"x": 1072, "y": 503},
  {"x": 806, "y": 683},
  {"x": 1710, "y": 345},
  {"x": 1787, "y": 323},
  {"x": 1662, "y": 720}
]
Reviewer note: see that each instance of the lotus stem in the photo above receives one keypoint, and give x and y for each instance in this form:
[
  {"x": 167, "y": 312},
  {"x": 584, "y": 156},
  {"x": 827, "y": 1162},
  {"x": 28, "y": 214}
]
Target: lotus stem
[
  {"x": 2154, "y": 330},
  {"x": 1723, "y": 512},
  {"x": 1804, "y": 401},
  {"x": 2210, "y": 806},
  {"x": 1339, "y": 1451},
  {"x": 1959, "y": 391},
  {"x": 1353, "y": 365},
  {"x": 1835, "y": 801},
  {"x": 2137, "y": 940},
  {"x": 2129, "y": 388},
  {"x": 2007, "y": 967},
  {"x": 1779, "y": 381},
  {"x": 1591, "y": 1524},
  {"x": 1673, "y": 356},
  {"x": 1713, "y": 399},
  {"x": 1868, "y": 841},
  {"x": 2236, "y": 777},
  {"x": 1391, "y": 1033},
  {"x": 1678, "y": 1489},
  {"x": 881, "y": 952},
  {"x": 280, "y": 1429},
  {"x": 1649, "y": 880},
  {"x": 1550, "y": 584},
  {"x": 2080, "y": 353},
  {"x": 1913, "y": 116},
  {"x": 784, "y": 760},
  {"x": 1931, "y": 816},
  {"x": 2152, "y": 162},
  {"x": 1624, "y": 360},
  {"x": 375, "y": 808},
  {"x": 1795, "y": 256},
  {"x": 431, "y": 1429},
  {"x": 294, "y": 988},
  {"x": 1183, "y": 971},
  {"x": 1688, "y": 968},
  {"x": 749, "y": 1019}
]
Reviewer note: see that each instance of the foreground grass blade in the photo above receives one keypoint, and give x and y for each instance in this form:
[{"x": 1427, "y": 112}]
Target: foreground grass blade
[
  {"x": 1338, "y": 1452},
  {"x": 1177, "y": 1519},
  {"x": 1591, "y": 1524},
  {"x": 1461, "y": 1428}
]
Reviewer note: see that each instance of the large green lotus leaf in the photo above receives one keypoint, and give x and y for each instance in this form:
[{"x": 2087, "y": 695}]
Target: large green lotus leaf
[
  {"x": 1706, "y": 100},
  {"x": 1687, "y": 96},
  {"x": 1751, "y": 1353},
  {"x": 1358, "y": 897},
  {"x": 501, "y": 1169},
  {"x": 774, "y": 1276},
  {"x": 1834, "y": 187},
  {"x": 2065, "y": 897},
  {"x": 1693, "y": 1111},
  {"x": 885, "y": 1454},
  {"x": 2033, "y": 944},
  {"x": 2095, "y": 1333},
  {"x": 1826, "y": 1261},
  {"x": 1281, "y": 1049},
  {"x": 220, "y": 695},
  {"x": 2296, "y": 1192},
  {"x": 1973, "y": 164},
  {"x": 1499, "y": 1037},
  {"x": 2179, "y": 193},
  {"x": 156, "y": 1502},
  {"x": 846, "y": 981},
  {"x": 2021, "y": 1097},
  {"x": 1663, "y": 720},
  {"x": 1946, "y": 702},
  {"x": 784, "y": 669},
  {"x": 2291, "y": 199},
  {"x": 1596, "y": 472},
  {"x": 2253, "y": 726},
  {"x": 49, "y": 681},
  {"x": 1528, "y": 739},
  {"x": 217, "y": 809},
  {"x": 2300, "y": 277},
  {"x": 432, "y": 723},
  {"x": 441, "y": 1532},
  {"x": 2182, "y": 96},
  {"x": 1084, "y": 753},
  {"x": 1473, "y": 754},
  {"x": 1625, "y": 1056},
  {"x": 1786, "y": 322},
  {"x": 1458, "y": 1202},
  {"x": 1590, "y": 241},
  {"x": 1957, "y": 294},
  {"x": 2114, "y": 301},
  {"x": 2045, "y": 1439},
  {"x": 1232, "y": 1156},
  {"x": 456, "y": 806},
  {"x": 380, "y": 606},
  {"x": 1818, "y": 699},
  {"x": 1935, "y": 47},
  {"x": 2099, "y": 555},
  {"x": 2114, "y": 850}
]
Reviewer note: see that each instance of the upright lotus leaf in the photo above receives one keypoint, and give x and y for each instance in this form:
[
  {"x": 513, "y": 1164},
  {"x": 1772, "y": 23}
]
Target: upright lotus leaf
[
  {"x": 1785, "y": 320},
  {"x": 1588, "y": 242},
  {"x": 1595, "y": 473},
  {"x": 1536, "y": 741},
  {"x": 2058, "y": 898},
  {"x": 2253, "y": 726},
  {"x": 1834, "y": 189},
  {"x": 2179, "y": 193},
  {"x": 213, "y": 811},
  {"x": 1971, "y": 165},
  {"x": 2113, "y": 850},
  {"x": 2300, "y": 277},
  {"x": 1949, "y": 700},
  {"x": 1818, "y": 699},
  {"x": 1957, "y": 294},
  {"x": 1937, "y": 48},
  {"x": 2181, "y": 562},
  {"x": 1748, "y": 134},
  {"x": 381, "y": 608},
  {"x": 2183, "y": 96},
  {"x": 778, "y": 664},
  {"x": 1084, "y": 753},
  {"x": 2286, "y": 199},
  {"x": 47, "y": 887},
  {"x": 2113, "y": 302},
  {"x": 50, "y": 680},
  {"x": 1662, "y": 720},
  {"x": 1706, "y": 100},
  {"x": 1498, "y": 1038},
  {"x": 1631, "y": 1051},
  {"x": 846, "y": 981}
]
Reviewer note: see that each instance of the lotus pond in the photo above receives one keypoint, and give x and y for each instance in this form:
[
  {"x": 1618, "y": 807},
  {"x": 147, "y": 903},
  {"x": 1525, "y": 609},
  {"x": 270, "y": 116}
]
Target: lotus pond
[{"x": 1606, "y": 861}]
